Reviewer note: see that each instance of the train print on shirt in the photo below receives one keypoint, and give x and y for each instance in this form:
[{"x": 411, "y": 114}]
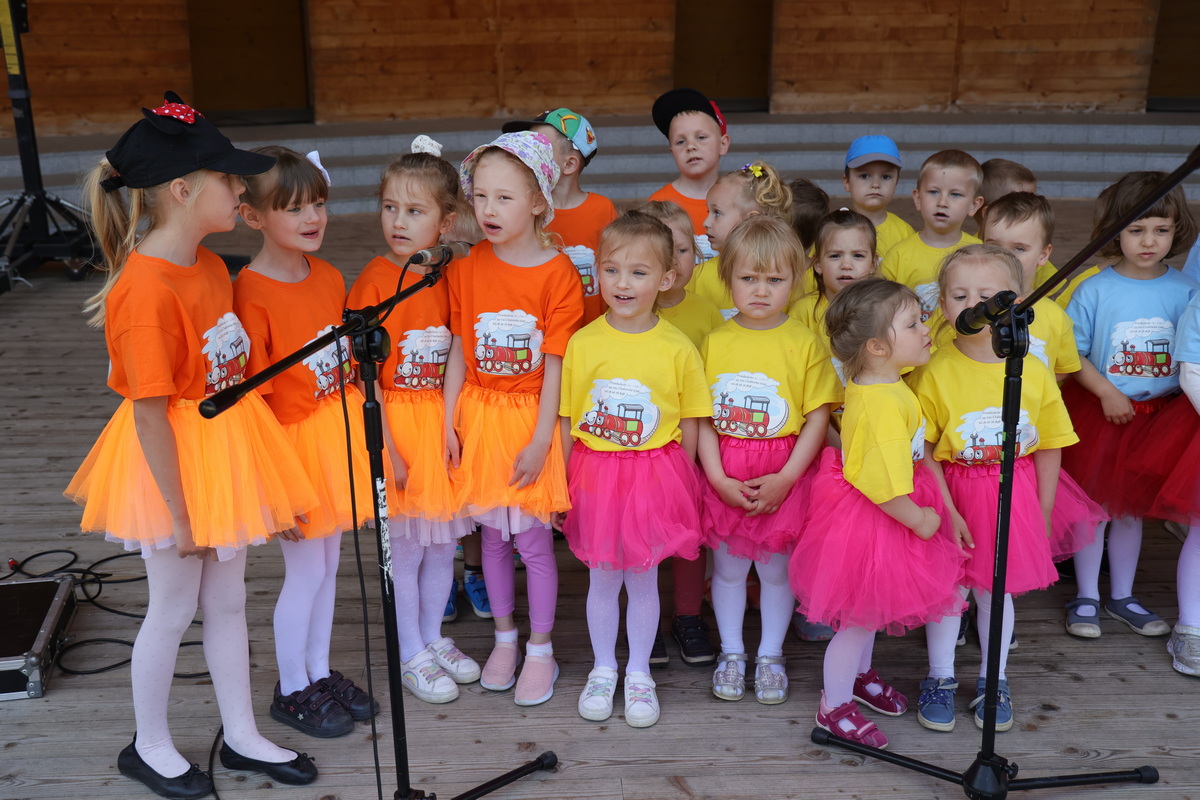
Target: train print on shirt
[
  {"x": 747, "y": 404},
  {"x": 507, "y": 342},
  {"x": 621, "y": 412},
  {"x": 1143, "y": 348},
  {"x": 227, "y": 347},
  {"x": 983, "y": 436},
  {"x": 328, "y": 369},
  {"x": 424, "y": 352},
  {"x": 584, "y": 260}
]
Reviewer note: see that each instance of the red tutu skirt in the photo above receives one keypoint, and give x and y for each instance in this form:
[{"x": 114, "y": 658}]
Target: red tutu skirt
[
  {"x": 631, "y": 509},
  {"x": 975, "y": 491},
  {"x": 1075, "y": 518},
  {"x": 857, "y": 567},
  {"x": 1170, "y": 454},
  {"x": 762, "y": 536},
  {"x": 493, "y": 427},
  {"x": 1100, "y": 462}
]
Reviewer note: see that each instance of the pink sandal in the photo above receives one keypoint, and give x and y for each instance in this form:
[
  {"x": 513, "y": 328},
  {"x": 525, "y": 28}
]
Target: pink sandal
[
  {"x": 888, "y": 701},
  {"x": 863, "y": 732}
]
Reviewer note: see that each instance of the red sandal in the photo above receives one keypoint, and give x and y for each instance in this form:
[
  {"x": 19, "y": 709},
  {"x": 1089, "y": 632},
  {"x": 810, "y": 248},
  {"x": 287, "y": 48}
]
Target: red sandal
[
  {"x": 863, "y": 732},
  {"x": 888, "y": 701}
]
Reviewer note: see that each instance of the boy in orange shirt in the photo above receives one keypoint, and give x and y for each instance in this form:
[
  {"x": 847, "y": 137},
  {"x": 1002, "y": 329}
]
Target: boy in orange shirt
[
  {"x": 579, "y": 216},
  {"x": 697, "y": 138}
]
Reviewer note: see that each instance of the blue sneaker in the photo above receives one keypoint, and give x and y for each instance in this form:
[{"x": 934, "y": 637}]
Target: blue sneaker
[
  {"x": 452, "y": 604},
  {"x": 476, "y": 591},
  {"x": 1004, "y": 712},
  {"x": 935, "y": 706}
]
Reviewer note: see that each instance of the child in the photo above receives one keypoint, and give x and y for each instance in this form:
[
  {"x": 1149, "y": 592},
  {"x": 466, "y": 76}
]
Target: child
[
  {"x": 418, "y": 202},
  {"x": 1001, "y": 177},
  {"x": 579, "y": 216},
  {"x": 697, "y": 138},
  {"x": 809, "y": 205},
  {"x": 871, "y": 176},
  {"x": 772, "y": 389},
  {"x": 633, "y": 386},
  {"x": 160, "y": 479},
  {"x": 285, "y": 299},
  {"x": 947, "y": 193},
  {"x": 695, "y": 316},
  {"x": 1125, "y": 318},
  {"x": 514, "y": 303},
  {"x": 960, "y": 391},
  {"x": 877, "y": 551},
  {"x": 754, "y": 189},
  {"x": 1023, "y": 224}
]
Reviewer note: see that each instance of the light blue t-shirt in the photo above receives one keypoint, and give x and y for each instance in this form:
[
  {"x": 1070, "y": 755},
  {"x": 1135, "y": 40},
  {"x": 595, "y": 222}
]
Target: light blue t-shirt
[
  {"x": 1127, "y": 329},
  {"x": 1187, "y": 338},
  {"x": 1191, "y": 267}
]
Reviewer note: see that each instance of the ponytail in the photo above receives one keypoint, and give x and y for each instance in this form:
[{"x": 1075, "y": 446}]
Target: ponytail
[
  {"x": 114, "y": 228},
  {"x": 762, "y": 190}
]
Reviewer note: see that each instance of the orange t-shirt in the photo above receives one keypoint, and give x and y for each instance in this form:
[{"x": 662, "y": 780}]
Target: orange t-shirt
[
  {"x": 418, "y": 327},
  {"x": 580, "y": 229},
  {"x": 509, "y": 317},
  {"x": 280, "y": 318},
  {"x": 697, "y": 209},
  {"x": 171, "y": 331}
]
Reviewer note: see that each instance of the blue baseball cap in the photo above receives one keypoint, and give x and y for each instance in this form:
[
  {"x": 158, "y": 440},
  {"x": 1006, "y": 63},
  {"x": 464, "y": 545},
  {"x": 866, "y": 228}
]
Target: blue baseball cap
[{"x": 866, "y": 149}]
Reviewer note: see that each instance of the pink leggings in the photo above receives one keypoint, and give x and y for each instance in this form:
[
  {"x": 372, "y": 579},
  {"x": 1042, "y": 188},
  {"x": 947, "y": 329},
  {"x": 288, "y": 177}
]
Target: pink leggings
[{"x": 536, "y": 546}]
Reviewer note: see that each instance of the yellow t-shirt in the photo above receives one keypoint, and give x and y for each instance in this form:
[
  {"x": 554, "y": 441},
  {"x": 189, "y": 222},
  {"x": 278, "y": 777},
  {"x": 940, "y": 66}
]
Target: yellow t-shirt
[
  {"x": 694, "y": 315},
  {"x": 764, "y": 382},
  {"x": 1051, "y": 336},
  {"x": 810, "y": 310},
  {"x": 915, "y": 264},
  {"x": 628, "y": 391},
  {"x": 961, "y": 398},
  {"x": 706, "y": 282},
  {"x": 1064, "y": 291},
  {"x": 883, "y": 435},
  {"x": 891, "y": 233}
]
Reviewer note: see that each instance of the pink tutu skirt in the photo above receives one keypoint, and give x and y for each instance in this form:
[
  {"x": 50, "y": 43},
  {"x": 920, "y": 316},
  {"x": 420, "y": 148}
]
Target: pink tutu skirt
[
  {"x": 1169, "y": 457},
  {"x": 1122, "y": 490},
  {"x": 1075, "y": 518},
  {"x": 857, "y": 567},
  {"x": 632, "y": 508},
  {"x": 975, "y": 491},
  {"x": 762, "y": 536}
]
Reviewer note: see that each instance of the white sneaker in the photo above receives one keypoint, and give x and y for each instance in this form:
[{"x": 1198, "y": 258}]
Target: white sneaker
[
  {"x": 596, "y": 700},
  {"x": 426, "y": 680},
  {"x": 641, "y": 703},
  {"x": 1184, "y": 647},
  {"x": 458, "y": 665}
]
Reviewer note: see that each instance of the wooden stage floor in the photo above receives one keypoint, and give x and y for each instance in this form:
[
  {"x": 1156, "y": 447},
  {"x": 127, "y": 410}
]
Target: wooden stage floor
[{"x": 1114, "y": 703}]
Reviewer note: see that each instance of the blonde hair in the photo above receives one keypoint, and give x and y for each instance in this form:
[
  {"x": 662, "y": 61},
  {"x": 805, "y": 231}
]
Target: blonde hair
[
  {"x": 1017, "y": 207},
  {"x": 545, "y": 238},
  {"x": 293, "y": 180},
  {"x": 862, "y": 311},
  {"x": 117, "y": 228},
  {"x": 953, "y": 159},
  {"x": 980, "y": 254},
  {"x": 635, "y": 227},
  {"x": 1001, "y": 176},
  {"x": 667, "y": 212},
  {"x": 762, "y": 189},
  {"x": 764, "y": 242}
]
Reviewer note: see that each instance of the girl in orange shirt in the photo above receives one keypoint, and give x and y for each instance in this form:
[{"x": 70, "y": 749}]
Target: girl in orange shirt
[
  {"x": 190, "y": 494},
  {"x": 286, "y": 298}
]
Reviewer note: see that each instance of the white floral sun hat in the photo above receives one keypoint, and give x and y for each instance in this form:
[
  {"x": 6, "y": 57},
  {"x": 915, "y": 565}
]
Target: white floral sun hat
[{"x": 535, "y": 152}]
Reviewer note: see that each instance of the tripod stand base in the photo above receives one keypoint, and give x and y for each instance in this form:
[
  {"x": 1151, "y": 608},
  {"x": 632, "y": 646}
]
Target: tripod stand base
[{"x": 988, "y": 778}]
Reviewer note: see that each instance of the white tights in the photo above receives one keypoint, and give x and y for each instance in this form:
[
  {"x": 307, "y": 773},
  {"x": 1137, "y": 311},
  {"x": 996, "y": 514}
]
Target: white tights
[
  {"x": 304, "y": 612},
  {"x": 729, "y": 602},
  {"x": 1124, "y": 546},
  {"x": 641, "y": 615},
  {"x": 176, "y": 587},
  {"x": 942, "y": 635},
  {"x": 1187, "y": 575},
  {"x": 422, "y": 576}
]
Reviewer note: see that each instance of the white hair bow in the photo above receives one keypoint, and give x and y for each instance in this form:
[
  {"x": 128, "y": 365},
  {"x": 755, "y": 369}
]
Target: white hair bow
[
  {"x": 315, "y": 159},
  {"x": 423, "y": 144}
]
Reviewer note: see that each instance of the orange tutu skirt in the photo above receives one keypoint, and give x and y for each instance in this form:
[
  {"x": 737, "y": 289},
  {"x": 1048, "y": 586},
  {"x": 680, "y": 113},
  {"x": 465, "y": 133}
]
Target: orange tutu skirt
[
  {"x": 493, "y": 427},
  {"x": 427, "y": 509},
  {"x": 320, "y": 444},
  {"x": 241, "y": 480}
]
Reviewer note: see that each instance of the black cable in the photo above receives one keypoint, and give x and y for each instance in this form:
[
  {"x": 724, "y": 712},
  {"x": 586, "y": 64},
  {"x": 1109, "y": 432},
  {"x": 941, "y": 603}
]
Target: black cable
[{"x": 66, "y": 648}]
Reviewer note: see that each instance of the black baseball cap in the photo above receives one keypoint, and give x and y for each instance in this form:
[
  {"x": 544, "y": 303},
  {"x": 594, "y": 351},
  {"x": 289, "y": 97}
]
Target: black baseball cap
[
  {"x": 676, "y": 101},
  {"x": 172, "y": 141}
]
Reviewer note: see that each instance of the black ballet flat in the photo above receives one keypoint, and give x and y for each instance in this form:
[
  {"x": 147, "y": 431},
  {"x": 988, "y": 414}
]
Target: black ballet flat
[
  {"x": 190, "y": 785},
  {"x": 298, "y": 772}
]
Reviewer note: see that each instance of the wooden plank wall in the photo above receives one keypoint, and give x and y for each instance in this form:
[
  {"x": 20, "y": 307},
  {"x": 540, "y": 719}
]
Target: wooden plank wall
[
  {"x": 377, "y": 59},
  {"x": 883, "y": 55},
  {"x": 90, "y": 64}
]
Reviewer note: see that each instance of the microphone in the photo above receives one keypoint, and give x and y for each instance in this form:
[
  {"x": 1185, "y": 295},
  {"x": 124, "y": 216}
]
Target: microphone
[
  {"x": 974, "y": 319},
  {"x": 441, "y": 255}
]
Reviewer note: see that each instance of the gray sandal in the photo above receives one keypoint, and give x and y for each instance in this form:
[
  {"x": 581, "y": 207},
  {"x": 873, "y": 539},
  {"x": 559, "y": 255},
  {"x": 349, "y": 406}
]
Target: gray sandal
[
  {"x": 1085, "y": 626},
  {"x": 1148, "y": 624},
  {"x": 729, "y": 683}
]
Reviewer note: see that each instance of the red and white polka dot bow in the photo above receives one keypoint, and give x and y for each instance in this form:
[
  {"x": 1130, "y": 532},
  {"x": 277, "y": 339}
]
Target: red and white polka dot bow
[{"x": 180, "y": 111}]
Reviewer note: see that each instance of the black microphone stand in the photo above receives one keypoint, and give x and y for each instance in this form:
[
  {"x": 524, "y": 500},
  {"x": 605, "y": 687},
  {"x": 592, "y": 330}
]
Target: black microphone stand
[
  {"x": 370, "y": 344},
  {"x": 991, "y": 776}
]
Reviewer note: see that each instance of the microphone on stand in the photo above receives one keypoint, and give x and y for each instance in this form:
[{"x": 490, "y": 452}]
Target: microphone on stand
[
  {"x": 977, "y": 317},
  {"x": 441, "y": 255}
]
